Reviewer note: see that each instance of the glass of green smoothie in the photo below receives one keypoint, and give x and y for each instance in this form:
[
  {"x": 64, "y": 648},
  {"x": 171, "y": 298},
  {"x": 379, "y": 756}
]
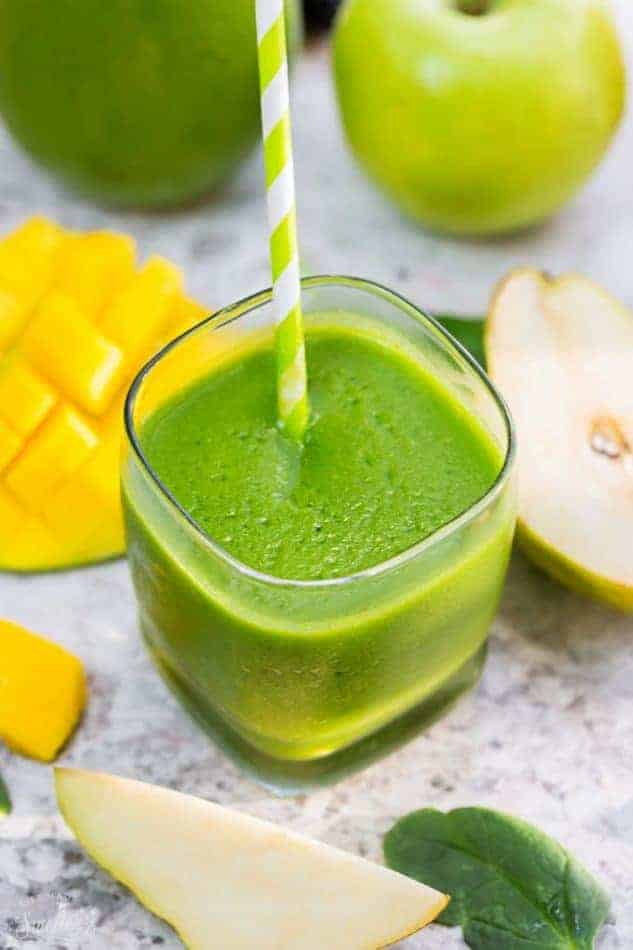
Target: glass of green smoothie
[{"x": 314, "y": 606}]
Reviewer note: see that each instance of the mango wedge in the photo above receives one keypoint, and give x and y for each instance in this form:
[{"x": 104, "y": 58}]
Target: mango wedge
[
  {"x": 77, "y": 320},
  {"x": 42, "y": 693}
]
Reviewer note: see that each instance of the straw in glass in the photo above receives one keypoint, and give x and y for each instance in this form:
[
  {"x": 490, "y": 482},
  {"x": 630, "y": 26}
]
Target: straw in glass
[{"x": 292, "y": 389}]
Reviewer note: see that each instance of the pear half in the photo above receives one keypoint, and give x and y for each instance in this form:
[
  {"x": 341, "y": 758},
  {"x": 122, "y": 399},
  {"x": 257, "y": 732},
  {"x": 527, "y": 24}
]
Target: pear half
[
  {"x": 226, "y": 881},
  {"x": 561, "y": 352}
]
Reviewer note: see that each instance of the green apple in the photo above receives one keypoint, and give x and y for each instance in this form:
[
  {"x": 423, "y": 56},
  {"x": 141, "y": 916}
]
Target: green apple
[
  {"x": 144, "y": 102},
  {"x": 561, "y": 352},
  {"x": 225, "y": 880},
  {"x": 478, "y": 116}
]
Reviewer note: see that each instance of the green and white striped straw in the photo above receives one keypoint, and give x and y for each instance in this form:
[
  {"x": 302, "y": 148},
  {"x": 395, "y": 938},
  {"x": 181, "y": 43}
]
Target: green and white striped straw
[{"x": 292, "y": 386}]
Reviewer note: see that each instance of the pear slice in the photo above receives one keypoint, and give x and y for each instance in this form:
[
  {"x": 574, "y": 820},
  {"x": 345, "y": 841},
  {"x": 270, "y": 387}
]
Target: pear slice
[
  {"x": 226, "y": 881},
  {"x": 561, "y": 352}
]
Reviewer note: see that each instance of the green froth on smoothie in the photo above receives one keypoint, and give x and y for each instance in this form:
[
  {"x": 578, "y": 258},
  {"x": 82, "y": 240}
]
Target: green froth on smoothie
[{"x": 390, "y": 457}]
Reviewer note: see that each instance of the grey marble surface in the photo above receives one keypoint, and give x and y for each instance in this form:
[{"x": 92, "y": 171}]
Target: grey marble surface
[{"x": 549, "y": 732}]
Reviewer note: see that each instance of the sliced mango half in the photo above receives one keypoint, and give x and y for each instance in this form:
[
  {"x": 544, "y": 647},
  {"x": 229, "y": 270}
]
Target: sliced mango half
[{"x": 77, "y": 320}]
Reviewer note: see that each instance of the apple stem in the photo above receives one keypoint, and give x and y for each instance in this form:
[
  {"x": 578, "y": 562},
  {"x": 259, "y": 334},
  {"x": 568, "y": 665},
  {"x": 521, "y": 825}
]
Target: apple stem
[{"x": 473, "y": 7}]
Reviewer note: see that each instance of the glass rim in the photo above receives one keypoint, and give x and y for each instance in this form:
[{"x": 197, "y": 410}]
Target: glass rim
[{"x": 248, "y": 304}]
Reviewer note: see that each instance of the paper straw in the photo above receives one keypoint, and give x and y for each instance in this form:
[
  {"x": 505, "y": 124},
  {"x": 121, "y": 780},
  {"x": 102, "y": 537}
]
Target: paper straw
[{"x": 292, "y": 389}]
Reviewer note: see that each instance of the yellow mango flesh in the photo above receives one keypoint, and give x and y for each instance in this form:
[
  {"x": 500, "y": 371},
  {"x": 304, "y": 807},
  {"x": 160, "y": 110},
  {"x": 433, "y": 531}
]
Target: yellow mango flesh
[
  {"x": 77, "y": 320},
  {"x": 42, "y": 693}
]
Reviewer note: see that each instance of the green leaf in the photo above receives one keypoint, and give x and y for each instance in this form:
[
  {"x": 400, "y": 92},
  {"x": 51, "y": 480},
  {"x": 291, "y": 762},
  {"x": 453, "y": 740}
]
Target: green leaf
[
  {"x": 469, "y": 331},
  {"x": 511, "y": 887},
  {"x": 5, "y": 801}
]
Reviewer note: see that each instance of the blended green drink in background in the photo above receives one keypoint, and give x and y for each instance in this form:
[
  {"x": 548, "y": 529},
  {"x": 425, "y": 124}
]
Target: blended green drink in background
[{"x": 305, "y": 598}]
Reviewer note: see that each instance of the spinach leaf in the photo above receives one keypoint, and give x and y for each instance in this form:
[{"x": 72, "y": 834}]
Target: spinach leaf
[
  {"x": 469, "y": 331},
  {"x": 5, "y": 801},
  {"x": 511, "y": 887}
]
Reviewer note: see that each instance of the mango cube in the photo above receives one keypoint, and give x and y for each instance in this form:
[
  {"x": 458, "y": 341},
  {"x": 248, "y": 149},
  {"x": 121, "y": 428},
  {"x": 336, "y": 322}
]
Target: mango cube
[
  {"x": 93, "y": 268},
  {"x": 28, "y": 259},
  {"x": 77, "y": 320},
  {"x": 56, "y": 450},
  {"x": 25, "y": 399},
  {"x": 139, "y": 314},
  {"x": 61, "y": 342},
  {"x": 42, "y": 693}
]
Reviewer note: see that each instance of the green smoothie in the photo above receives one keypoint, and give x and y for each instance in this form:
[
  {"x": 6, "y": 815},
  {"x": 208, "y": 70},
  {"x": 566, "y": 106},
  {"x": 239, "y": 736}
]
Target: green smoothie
[
  {"x": 258, "y": 629},
  {"x": 389, "y": 458}
]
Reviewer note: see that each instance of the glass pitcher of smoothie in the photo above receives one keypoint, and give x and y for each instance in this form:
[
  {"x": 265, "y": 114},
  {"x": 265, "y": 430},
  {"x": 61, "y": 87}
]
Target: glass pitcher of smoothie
[{"x": 315, "y": 606}]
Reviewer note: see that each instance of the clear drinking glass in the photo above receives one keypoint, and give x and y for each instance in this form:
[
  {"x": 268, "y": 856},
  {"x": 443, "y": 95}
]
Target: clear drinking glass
[{"x": 303, "y": 681}]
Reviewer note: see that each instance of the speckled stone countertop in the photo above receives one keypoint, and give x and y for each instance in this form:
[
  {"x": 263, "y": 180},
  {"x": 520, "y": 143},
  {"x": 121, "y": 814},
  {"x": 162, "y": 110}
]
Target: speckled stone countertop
[{"x": 548, "y": 734}]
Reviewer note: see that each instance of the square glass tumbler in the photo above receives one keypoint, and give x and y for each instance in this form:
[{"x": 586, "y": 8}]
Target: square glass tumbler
[{"x": 304, "y": 681}]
